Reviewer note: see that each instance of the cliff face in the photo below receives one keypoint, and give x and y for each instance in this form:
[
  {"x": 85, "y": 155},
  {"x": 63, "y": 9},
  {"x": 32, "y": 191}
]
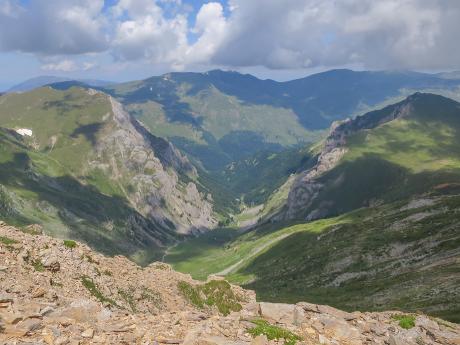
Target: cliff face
[
  {"x": 61, "y": 292},
  {"x": 159, "y": 177}
]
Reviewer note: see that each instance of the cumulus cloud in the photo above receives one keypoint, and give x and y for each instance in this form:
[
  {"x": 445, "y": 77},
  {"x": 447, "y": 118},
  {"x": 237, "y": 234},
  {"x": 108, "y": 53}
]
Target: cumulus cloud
[
  {"x": 52, "y": 27},
  {"x": 211, "y": 28},
  {"x": 148, "y": 34},
  {"x": 288, "y": 34},
  {"x": 309, "y": 33}
]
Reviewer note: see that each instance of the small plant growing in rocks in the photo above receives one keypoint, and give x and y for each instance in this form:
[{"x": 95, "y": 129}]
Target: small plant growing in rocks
[
  {"x": 191, "y": 294},
  {"x": 273, "y": 332},
  {"x": 94, "y": 290},
  {"x": 405, "y": 321},
  {"x": 38, "y": 266},
  {"x": 216, "y": 293},
  {"x": 107, "y": 273},
  {"x": 8, "y": 242},
  {"x": 70, "y": 244},
  {"x": 152, "y": 296},
  {"x": 128, "y": 297}
]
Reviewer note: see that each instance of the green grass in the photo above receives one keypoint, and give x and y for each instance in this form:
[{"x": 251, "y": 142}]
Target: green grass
[
  {"x": 89, "y": 284},
  {"x": 405, "y": 321},
  {"x": 7, "y": 241},
  {"x": 191, "y": 294},
  {"x": 216, "y": 293},
  {"x": 37, "y": 265},
  {"x": 273, "y": 332},
  {"x": 72, "y": 117},
  {"x": 219, "y": 249},
  {"x": 70, "y": 244}
]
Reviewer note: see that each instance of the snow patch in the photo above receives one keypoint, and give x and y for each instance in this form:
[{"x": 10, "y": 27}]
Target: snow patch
[{"x": 24, "y": 132}]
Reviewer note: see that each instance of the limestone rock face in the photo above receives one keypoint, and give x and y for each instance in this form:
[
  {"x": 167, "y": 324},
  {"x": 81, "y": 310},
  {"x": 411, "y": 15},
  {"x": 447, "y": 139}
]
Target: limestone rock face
[
  {"x": 154, "y": 168},
  {"x": 93, "y": 299}
]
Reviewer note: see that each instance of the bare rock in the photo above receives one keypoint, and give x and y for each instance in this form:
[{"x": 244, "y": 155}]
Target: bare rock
[{"x": 277, "y": 312}]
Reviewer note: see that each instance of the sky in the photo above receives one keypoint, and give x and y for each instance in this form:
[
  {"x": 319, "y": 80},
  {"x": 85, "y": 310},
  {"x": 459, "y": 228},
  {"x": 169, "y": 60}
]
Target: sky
[{"x": 120, "y": 40}]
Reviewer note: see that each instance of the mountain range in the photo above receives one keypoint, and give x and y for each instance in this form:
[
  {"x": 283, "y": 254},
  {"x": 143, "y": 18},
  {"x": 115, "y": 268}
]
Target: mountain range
[{"x": 340, "y": 188}]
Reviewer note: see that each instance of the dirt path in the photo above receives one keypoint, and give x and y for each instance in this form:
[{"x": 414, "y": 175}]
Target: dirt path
[{"x": 253, "y": 253}]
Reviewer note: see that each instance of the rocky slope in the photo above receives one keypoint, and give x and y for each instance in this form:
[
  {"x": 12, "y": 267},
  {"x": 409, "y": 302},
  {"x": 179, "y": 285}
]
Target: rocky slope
[
  {"x": 90, "y": 171},
  {"x": 55, "y": 292}
]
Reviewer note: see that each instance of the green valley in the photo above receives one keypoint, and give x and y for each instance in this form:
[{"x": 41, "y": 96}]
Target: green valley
[{"x": 386, "y": 234}]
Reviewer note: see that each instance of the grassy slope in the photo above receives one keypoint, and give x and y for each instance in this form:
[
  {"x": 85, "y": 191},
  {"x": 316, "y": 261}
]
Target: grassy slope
[
  {"x": 381, "y": 258},
  {"x": 371, "y": 259},
  {"x": 72, "y": 118},
  {"x": 47, "y": 181},
  {"x": 375, "y": 258},
  {"x": 407, "y": 156}
]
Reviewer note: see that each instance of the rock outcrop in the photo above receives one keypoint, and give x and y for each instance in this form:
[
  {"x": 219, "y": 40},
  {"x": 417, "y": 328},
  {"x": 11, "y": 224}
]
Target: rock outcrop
[
  {"x": 156, "y": 171},
  {"x": 61, "y": 292}
]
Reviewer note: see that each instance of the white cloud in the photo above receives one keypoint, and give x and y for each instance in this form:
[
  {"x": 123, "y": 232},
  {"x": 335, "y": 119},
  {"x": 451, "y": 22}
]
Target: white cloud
[
  {"x": 288, "y": 34},
  {"x": 148, "y": 34},
  {"x": 376, "y": 34},
  {"x": 52, "y": 27},
  {"x": 211, "y": 26},
  {"x": 67, "y": 65},
  {"x": 62, "y": 66}
]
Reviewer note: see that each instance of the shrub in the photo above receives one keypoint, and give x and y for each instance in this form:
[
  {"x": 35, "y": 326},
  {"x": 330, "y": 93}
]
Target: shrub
[
  {"x": 70, "y": 244},
  {"x": 405, "y": 321}
]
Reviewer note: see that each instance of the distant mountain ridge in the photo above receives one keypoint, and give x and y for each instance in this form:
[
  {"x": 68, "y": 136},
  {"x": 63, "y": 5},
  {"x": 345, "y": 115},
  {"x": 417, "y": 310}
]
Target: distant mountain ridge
[{"x": 206, "y": 114}]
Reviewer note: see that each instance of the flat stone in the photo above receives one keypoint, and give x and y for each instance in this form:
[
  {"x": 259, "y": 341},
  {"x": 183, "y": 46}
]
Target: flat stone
[
  {"x": 40, "y": 292},
  {"x": 6, "y": 298},
  {"x": 89, "y": 333}
]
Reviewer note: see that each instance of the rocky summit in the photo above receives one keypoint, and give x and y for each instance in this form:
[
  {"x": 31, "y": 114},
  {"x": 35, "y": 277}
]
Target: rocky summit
[{"x": 61, "y": 292}]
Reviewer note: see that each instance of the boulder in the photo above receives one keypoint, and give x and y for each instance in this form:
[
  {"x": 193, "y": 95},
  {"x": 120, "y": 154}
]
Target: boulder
[
  {"x": 51, "y": 263},
  {"x": 341, "y": 331},
  {"x": 277, "y": 312}
]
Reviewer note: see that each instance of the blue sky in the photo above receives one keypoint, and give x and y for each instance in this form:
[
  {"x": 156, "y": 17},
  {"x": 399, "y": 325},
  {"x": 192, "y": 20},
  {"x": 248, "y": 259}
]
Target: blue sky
[{"x": 123, "y": 40}]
